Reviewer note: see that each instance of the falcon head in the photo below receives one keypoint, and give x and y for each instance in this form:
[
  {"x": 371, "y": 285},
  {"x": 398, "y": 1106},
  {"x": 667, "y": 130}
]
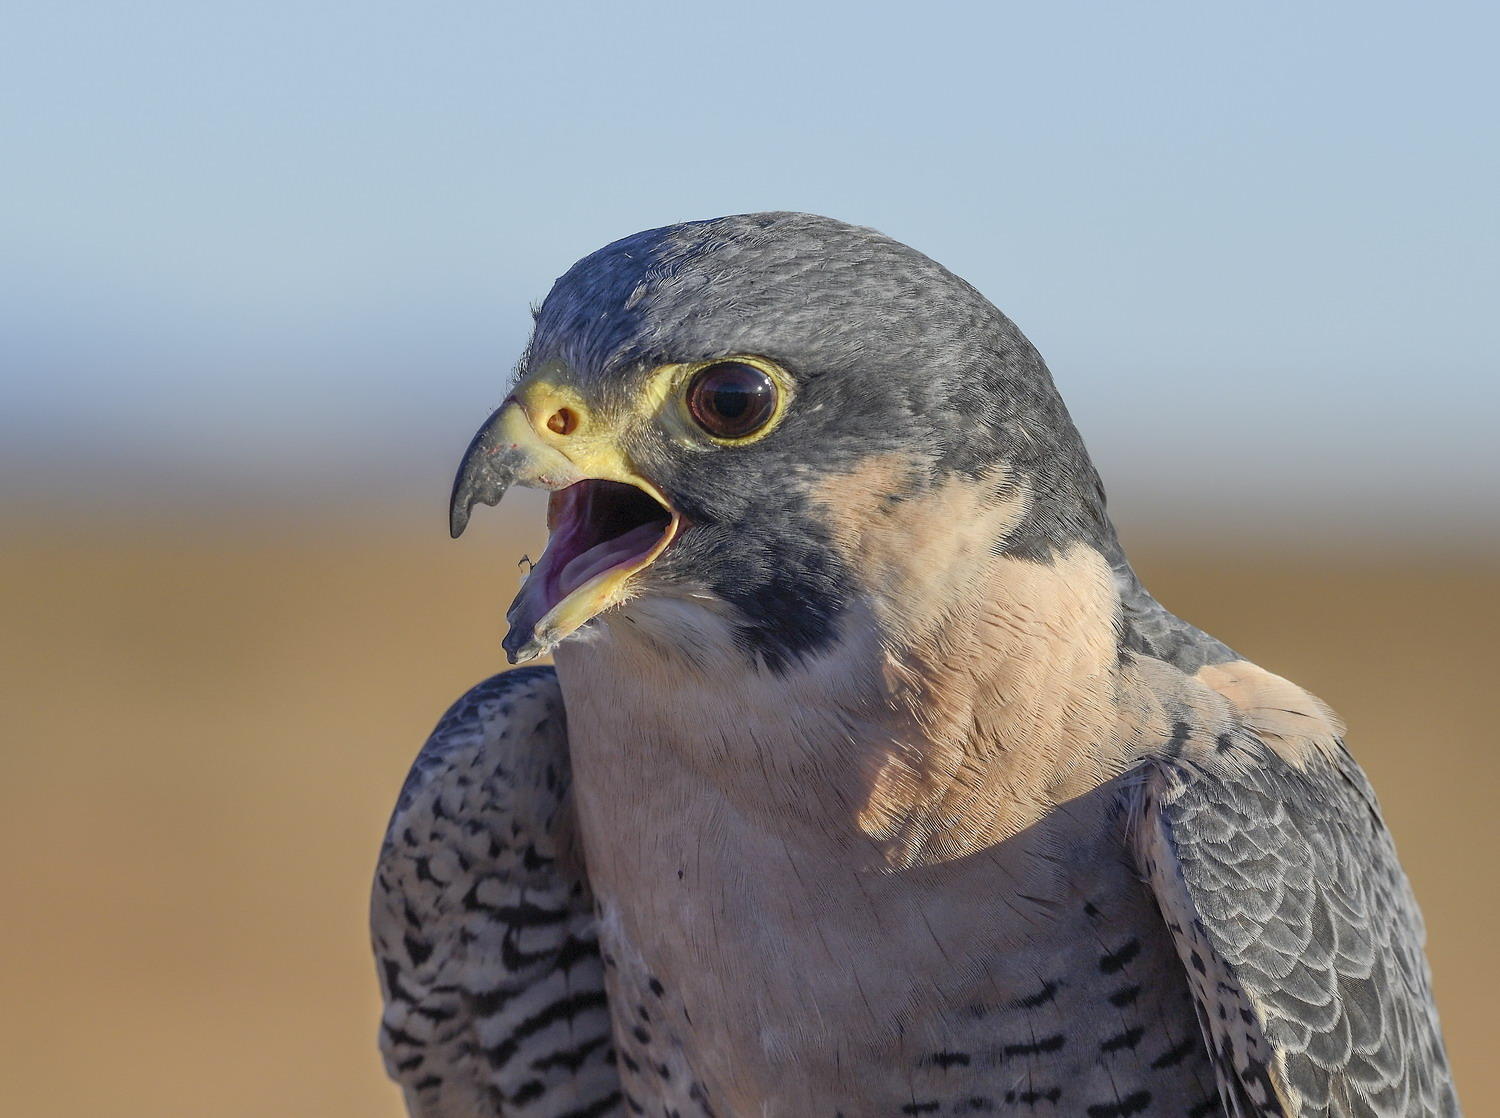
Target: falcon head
[{"x": 781, "y": 418}]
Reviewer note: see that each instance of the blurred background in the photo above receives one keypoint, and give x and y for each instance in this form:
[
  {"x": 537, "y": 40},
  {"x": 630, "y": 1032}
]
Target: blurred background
[{"x": 264, "y": 268}]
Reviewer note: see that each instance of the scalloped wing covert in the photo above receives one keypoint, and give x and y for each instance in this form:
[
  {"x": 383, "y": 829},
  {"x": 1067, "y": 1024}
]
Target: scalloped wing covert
[{"x": 1299, "y": 933}]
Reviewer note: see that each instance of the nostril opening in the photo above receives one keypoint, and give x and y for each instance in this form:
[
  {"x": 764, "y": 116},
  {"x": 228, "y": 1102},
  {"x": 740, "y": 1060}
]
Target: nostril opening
[{"x": 564, "y": 421}]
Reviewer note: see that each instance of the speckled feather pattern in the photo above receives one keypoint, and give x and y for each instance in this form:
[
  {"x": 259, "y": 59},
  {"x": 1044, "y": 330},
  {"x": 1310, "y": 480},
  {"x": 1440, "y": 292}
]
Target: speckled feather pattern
[{"x": 891, "y": 790}]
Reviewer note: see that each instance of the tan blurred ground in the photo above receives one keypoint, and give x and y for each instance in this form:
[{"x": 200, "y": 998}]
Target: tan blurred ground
[{"x": 203, "y": 730}]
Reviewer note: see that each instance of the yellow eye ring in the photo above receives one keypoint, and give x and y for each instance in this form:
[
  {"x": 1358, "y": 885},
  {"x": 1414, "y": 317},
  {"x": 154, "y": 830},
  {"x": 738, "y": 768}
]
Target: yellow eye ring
[
  {"x": 731, "y": 399},
  {"x": 735, "y": 400}
]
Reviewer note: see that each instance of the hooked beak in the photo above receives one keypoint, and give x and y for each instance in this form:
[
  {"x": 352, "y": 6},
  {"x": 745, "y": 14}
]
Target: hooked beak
[
  {"x": 605, "y": 522},
  {"x": 506, "y": 450}
]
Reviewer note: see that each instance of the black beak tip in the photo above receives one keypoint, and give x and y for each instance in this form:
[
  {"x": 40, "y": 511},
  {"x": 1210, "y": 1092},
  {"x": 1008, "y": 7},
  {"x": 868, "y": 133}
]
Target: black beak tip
[
  {"x": 482, "y": 478},
  {"x": 460, "y": 503}
]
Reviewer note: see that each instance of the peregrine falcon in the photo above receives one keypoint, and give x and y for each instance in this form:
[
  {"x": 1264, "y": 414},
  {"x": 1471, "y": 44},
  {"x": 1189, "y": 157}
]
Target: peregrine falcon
[{"x": 869, "y": 780}]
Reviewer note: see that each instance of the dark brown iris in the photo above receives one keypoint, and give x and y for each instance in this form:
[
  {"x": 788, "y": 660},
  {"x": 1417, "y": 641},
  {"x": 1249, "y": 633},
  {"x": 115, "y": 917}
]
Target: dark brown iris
[{"x": 732, "y": 399}]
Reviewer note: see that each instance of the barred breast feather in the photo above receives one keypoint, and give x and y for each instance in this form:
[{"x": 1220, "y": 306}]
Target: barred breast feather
[{"x": 482, "y": 920}]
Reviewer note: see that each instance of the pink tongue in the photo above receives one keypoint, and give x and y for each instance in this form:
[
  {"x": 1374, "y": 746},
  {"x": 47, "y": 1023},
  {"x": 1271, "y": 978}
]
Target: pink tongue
[{"x": 602, "y": 556}]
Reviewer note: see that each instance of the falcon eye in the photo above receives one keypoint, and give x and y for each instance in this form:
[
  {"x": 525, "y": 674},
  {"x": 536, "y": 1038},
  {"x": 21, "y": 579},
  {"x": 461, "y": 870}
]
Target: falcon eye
[{"x": 732, "y": 399}]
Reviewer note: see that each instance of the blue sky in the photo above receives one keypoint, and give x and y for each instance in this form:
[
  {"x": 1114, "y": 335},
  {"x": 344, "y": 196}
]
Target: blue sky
[{"x": 287, "y": 250}]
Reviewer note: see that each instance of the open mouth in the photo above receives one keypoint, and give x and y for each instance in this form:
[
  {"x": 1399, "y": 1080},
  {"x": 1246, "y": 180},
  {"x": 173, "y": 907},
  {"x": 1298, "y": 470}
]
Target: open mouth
[{"x": 601, "y": 532}]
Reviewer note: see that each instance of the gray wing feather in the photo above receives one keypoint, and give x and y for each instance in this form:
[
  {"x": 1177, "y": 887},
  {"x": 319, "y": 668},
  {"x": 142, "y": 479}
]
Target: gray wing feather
[
  {"x": 482, "y": 920},
  {"x": 1299, "y": 932}
]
